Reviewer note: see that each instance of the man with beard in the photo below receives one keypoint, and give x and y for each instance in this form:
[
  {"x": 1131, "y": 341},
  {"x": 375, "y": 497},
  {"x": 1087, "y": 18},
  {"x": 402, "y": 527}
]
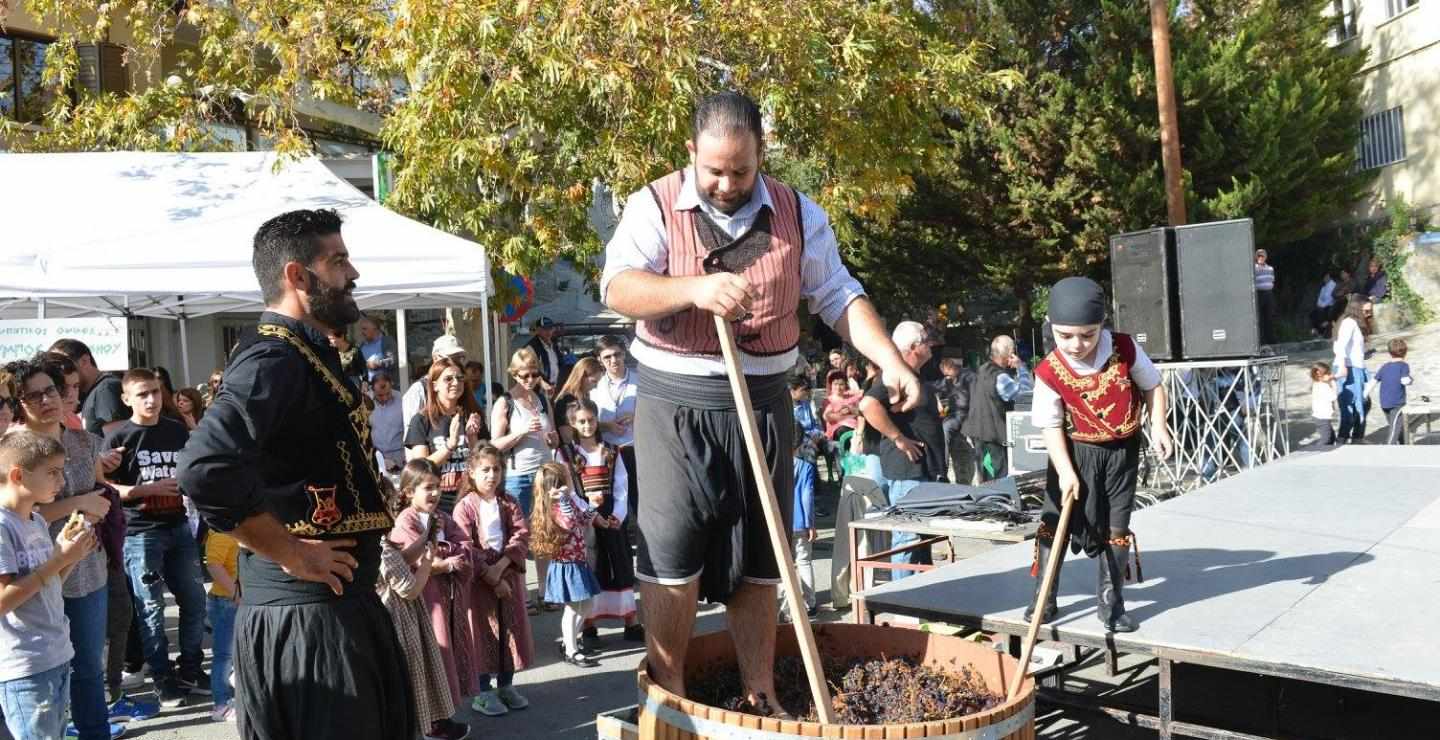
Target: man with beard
[
  {"x": 718, "y": 238},
  {"x": 283, "y": 461}
]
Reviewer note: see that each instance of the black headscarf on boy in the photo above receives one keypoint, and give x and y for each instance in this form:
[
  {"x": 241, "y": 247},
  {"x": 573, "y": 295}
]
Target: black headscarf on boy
[{"x": 1077, "y": 301}]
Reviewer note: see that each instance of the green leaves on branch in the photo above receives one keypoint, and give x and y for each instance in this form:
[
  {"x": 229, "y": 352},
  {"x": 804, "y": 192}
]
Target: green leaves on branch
[{"x": 502, "y": 113}]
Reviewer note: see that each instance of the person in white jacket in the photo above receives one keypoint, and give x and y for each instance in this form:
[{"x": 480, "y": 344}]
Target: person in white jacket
[{"x": 1349, "y": 368}]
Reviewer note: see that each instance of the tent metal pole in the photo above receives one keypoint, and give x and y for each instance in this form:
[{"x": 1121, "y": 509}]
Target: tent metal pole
[
  {"x": 485, "y": 347},
  {"x": 40, "y": 309},
  {"x": 403, "y": 361},
  {"x": 184, "y": 352}
]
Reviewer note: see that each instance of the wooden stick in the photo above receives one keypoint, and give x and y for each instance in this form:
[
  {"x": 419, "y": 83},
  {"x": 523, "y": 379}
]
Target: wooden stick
[
  {"x": 779, "y": 539},
  {"x": 1057, "y": 553}
]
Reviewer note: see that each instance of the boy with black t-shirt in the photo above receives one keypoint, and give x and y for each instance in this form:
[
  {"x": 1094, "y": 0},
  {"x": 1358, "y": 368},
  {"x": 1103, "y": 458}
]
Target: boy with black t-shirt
[
  {"x": 160, "y": 550},
  {"x": 1394, "y": 378}
]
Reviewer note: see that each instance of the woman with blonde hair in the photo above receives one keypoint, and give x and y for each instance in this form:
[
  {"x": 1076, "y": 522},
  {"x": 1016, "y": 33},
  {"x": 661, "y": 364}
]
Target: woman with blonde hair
[{"x": 522, "y": 429}]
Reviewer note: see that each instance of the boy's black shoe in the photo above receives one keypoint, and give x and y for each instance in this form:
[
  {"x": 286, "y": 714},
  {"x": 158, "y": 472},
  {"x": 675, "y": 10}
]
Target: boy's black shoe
[
  {"x": 447, "y": 730},
  {"x": 171, "y": 695},
  {"x": 580, "y": 660},
  {"x": 590, "y": 638},
  {"x": 194, "y": 681},
  {"x": 583, "y": 649},
  {"x": 635, "y": 633},
  {"x": 1043, "y": 548},
  {"x": 1110, "y": 591}
]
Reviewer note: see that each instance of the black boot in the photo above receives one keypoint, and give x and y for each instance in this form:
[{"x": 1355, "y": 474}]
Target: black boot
[
  {"x": 1109, "y": 596},
  {"x": 1042, "y": 561}
]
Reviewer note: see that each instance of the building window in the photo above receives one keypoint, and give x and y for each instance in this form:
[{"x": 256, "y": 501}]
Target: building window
[
  {"x": 22, "y": 63},
  {"x": 1382, "y": 139},
  {"x": 139, "y": 344},
  {"x": 1344, "y": 15},
  {"x": 230, "y": 335},
  {"x": 1396, "y": 7}
]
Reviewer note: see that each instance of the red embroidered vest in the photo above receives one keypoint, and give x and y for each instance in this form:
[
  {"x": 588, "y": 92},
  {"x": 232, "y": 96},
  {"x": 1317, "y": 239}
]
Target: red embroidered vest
[
  {"x": 1103, "y": 407},
  {"x": 773, "y": 270},
  {"x": 596, "y": 478}
]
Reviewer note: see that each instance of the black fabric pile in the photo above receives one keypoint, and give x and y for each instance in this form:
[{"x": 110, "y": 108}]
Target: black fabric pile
[{"x": 996, "y": 500}]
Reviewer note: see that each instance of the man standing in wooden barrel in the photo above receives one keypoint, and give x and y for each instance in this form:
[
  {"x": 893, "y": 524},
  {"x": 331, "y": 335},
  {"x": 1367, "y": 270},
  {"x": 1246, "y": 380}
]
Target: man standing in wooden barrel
[{"x": 718, "y": 237}]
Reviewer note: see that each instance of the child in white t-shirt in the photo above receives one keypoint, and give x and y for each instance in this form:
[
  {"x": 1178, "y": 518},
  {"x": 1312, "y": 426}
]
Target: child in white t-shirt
[{"x": 1322, "y": 401}]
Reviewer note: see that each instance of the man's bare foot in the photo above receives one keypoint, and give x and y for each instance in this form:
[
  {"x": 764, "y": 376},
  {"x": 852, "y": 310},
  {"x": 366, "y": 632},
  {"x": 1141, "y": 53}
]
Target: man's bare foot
[{"x": 765, "y": 707}]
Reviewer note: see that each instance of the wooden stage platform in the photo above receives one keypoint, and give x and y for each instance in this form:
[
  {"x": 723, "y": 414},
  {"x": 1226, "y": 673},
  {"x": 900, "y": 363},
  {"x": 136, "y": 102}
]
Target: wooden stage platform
[{"x": 1321, "y": 568}]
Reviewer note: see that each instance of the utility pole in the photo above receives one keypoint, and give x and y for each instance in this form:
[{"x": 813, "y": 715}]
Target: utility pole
[{"x": 1169, "y": 115}]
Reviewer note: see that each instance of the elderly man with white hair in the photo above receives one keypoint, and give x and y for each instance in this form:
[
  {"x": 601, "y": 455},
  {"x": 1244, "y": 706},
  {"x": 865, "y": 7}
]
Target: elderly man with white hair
[
  {"x": 997, "y": 383},
  {"x": 910, "y": 444}
]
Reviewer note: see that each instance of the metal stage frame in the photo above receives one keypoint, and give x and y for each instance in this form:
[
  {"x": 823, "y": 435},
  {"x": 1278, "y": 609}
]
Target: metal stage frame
[
  {"x": 1288, "y": 570},
  {"x": 1225, "y": 416}
]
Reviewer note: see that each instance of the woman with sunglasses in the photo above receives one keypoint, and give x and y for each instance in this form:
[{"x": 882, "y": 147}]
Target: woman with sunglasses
[
  {"x": 40, "y": 388},
  {"x": 447, "y": 427},
  {"x": 522, "y": 429}
]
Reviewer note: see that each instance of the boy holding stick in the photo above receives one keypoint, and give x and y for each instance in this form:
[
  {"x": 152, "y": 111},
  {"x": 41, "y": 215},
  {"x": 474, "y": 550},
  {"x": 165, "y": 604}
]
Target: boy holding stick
[{"x": 1088, "y": 402}]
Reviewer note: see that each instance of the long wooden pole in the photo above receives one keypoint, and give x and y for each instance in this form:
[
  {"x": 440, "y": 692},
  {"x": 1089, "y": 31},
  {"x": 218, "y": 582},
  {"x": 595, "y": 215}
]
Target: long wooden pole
[
  {"x": 1037, "y": 615},
  {"x": 779, "y": 539},
  {"x": 1169, "y": 115}
]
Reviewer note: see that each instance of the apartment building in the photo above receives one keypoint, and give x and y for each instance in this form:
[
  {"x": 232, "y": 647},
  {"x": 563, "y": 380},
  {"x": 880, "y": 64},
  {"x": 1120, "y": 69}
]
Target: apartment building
[{"x": 1401, "y": 97}]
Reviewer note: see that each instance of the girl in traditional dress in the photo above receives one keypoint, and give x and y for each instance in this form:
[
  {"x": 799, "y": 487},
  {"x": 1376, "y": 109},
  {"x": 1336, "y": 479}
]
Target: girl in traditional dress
[
  {"x": 495, "y": 527},
  {"x": 447, "y": 592},
  {"x": 404, "y": 574},
  {"x": 605, "y": 480},
  {"x": 558, "y": 526}
]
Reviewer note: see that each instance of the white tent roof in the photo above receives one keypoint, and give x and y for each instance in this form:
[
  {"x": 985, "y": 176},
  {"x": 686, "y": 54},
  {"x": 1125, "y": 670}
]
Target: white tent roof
[{"x": 169, "y": 235}]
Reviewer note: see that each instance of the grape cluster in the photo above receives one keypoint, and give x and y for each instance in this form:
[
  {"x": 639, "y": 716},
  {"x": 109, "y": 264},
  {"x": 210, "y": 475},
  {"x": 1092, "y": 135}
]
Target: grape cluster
[{"x": 865, "y": 691}]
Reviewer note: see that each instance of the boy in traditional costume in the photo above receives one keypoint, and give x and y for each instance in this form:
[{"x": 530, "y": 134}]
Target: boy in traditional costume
[{"x": 1088, "y": 401}]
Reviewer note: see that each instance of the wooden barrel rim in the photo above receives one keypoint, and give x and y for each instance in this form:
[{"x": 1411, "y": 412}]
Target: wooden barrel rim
[{"x": 1023, "y": 705}]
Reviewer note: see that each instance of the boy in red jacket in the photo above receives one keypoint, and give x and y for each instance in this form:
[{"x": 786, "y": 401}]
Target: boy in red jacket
[{"x": 1089, "y": 394}]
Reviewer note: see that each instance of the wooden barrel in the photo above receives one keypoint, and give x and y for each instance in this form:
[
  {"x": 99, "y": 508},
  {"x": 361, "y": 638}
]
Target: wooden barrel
[{"x": 665, "y": 716}]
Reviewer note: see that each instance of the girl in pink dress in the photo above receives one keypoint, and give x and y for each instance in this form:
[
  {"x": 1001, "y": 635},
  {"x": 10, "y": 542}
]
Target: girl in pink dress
[
  {"x": 492, "y": 522},
  {"x": 447, "y": 592}
]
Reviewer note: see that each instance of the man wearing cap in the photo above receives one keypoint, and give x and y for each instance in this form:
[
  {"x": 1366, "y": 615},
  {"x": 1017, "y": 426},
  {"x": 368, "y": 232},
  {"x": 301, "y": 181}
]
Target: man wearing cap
[
  {"x": 1088, "y": 402},
  {"x": 445, "y": 345},
  {"x": 718, "y": 238},
  {"x": 1265, "y": 296},
  {"x": 543, "y": 343}
]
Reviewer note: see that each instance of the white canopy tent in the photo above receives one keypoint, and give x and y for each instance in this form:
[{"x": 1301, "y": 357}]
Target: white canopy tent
[{"x": 138, "y": 234}]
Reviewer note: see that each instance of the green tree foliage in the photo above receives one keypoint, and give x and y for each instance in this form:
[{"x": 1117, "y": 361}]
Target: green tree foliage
[
  {"x": 1388, "y": 245},
  {"x": 1269, "y": 119},
  {"x": 502, "y": 113}
]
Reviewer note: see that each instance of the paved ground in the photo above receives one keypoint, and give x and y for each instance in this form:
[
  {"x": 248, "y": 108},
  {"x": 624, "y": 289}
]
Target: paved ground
[
  {"x": 1424, "y": 359},
  {"x": 565, "y": 700}
]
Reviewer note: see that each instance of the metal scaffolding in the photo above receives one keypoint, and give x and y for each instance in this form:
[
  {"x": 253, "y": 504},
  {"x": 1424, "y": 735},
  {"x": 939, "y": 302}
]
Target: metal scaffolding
[{"x": 1224, "y": 416}]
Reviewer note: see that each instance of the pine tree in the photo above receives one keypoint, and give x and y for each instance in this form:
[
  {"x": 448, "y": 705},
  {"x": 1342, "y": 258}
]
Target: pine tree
[{"x": 1269, "y": 120}]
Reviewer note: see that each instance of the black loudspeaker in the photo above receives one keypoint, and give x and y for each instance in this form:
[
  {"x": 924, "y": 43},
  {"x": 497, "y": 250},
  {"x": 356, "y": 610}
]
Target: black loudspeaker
[
  {"x": 1216, "y": 289},
  {"x": 1142, "y": 272}
]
